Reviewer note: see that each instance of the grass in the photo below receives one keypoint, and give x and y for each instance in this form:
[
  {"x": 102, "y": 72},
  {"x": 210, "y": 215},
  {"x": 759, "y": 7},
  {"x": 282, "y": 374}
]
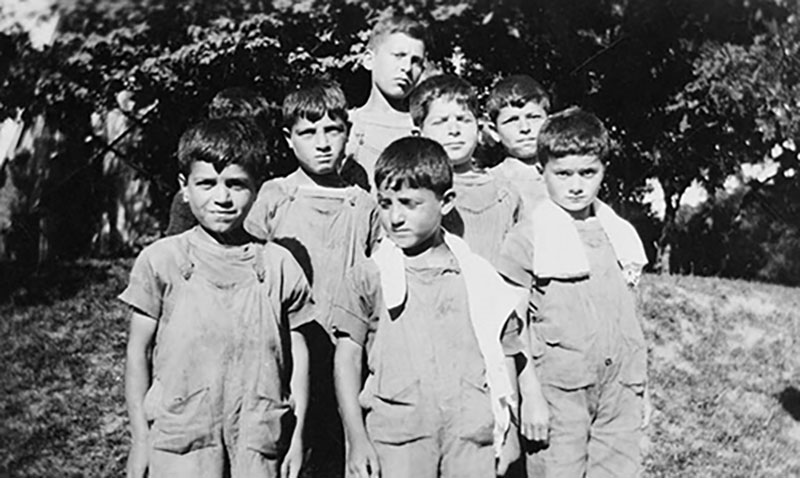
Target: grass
[{"x": 724, "y": 371}]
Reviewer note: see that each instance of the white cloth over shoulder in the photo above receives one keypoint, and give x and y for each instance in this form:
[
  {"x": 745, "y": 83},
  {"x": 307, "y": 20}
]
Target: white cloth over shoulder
[
  {"x": 491, "y": 303},
  {"x": 559, "y": 252}
]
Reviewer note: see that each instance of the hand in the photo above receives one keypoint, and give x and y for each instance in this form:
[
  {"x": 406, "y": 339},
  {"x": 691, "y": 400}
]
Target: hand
[
  {"x": 362, "y": 460},
  {"x": 293, "y": 460},
  {"x": 535, "y": 417},
  {"x": 510, "y": 451},
  {"x": 137, "y": 460}
]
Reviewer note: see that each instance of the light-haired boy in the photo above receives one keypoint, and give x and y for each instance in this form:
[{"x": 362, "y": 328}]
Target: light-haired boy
[
  {"x": 328, "y": 225},
  {"x": 216, "y": 375},
  {"x": 517, "y": 108},
  {"x": 445, "y": 109},
  {"x": 395, "y": 58},
  {"x": 436, "y": 323},
  {"x": 579, "y": 260}
]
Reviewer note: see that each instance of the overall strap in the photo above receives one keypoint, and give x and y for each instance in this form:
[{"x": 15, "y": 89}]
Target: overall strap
[
  {"x": 258, "y": 263},
  {"x": 186, "y": 264}
]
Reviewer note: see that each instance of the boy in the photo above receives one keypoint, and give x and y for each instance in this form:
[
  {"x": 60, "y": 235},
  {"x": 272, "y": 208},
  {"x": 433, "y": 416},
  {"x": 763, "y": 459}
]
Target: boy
[
  {"x": 328, "y": 225},
  {"x": 445, "y": 109},
  {"x": 216, "y": 318},
  {"x": 579, "y": 261},
  {"x": 517, "y": 108},
  {"x": 395, "y": 58},
  {"x": 436, "y": 322},
  {"x": 234, "y": 102}
]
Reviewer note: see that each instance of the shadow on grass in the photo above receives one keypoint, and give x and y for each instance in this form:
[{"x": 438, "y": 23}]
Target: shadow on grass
[
  {"x": 790, "y": 400},
  {"x": 25, "y": 285}
]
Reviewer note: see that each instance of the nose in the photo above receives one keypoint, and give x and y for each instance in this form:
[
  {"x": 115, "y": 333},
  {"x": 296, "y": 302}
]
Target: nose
[
  {"x": 321, "y": 141},
  {"x": 405, "y": 64},
  {"x": 575, "y": 185},
  {"x": 453, "y": 127},
  {"x": 222, "y": 195},
  {"x": 396, "y": 216},
  {"x": 524, "y": 125}
]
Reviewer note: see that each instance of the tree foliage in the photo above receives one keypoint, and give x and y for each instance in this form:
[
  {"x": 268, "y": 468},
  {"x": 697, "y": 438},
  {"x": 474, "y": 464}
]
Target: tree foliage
[{"x": 690, "y": 90}]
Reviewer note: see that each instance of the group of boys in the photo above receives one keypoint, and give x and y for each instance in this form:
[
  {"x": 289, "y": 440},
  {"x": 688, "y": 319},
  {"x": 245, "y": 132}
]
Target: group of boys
[{"x": 454, "y": 317}]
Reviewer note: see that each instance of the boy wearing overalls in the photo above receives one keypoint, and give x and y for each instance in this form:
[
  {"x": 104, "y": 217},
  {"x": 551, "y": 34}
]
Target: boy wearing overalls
[
  {"x": 436, "y": 323},
  {"x": 445, "y": 109},
  {"x": 583, "y": 399},
  {"x": 328, "y": 225},
  {"x": 217, "y": 369}
]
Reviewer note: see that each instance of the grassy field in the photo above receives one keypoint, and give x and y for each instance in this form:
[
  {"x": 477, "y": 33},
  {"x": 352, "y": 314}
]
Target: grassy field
[{"x": 725, "y": 375}]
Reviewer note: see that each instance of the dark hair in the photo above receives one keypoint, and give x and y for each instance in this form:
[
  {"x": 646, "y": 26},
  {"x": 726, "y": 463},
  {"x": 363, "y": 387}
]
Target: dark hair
[
  {"x": 394, "y": 23},
  {"x": 448, "y": 87},
  {"x": 313, "y": 102},
  {"x": 414, "y": 162},
  {"x": 240, "y": 102},
  {"x": 516, "y": 91},
  {"x": 572, "y": 132},
  {"x": 222, "y": 142}
]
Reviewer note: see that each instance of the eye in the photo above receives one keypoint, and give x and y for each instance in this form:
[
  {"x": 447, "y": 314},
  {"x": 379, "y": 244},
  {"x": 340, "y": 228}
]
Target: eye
[
  {"x": 588, "y": 173},
  {"x": 563, "y": 174}
]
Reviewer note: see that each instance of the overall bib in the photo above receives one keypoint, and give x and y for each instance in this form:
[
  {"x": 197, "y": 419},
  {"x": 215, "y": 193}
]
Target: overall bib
[{"x": 219, "y": 403}]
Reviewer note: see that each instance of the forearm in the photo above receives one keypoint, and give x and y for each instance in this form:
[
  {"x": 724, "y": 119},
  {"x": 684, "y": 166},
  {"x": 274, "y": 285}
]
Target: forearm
[
  {"x": 137, "y": 382},
  {"x": 347, "y": 379},
  {"x": 299, "y": 381}
]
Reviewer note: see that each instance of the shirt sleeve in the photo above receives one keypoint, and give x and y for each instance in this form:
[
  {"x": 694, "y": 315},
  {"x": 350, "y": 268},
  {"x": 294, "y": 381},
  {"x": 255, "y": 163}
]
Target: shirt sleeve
[
  {"x": 145, "y": 291},
  {"x": 515, "y": 262},
  {"x": 511, "y": 336},
  {"x": 355, "y": 308},
  {"x": 375, "y": 230},
  {"x": 297, "y": 300}
]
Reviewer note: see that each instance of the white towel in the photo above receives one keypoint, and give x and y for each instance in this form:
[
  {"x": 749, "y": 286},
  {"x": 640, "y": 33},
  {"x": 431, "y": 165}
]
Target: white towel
[
  {"x": 560, "y": 254},
  {"x": 491, "y": 302}
]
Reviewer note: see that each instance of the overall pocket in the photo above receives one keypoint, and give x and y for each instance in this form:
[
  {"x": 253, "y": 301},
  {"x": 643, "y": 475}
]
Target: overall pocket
[
  {"x": 476, "y": 418},
  {"x": 267, "y": 427},
  {"x": 395, "y": 417},
  {"x": 183, "y": 423}
]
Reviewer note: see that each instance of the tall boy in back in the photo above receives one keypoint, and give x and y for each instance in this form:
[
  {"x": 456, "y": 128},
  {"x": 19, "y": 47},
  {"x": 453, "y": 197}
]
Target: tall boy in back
[
  {"x": 395, "y": 58},
  {"x": 438, "y": 327},
  {"x": 517, "y": 108},
  {"x": 216, "y": 376},
  {"x": 328, "y": 225},
  {"x": 580, "y": 261},
  {"x": 445, "y": 109},
  {"x": 233, "y": 102}
]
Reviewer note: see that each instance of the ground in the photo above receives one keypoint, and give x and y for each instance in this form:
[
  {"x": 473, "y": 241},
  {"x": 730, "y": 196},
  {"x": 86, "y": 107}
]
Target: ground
[{"x": 724, "y": 373}]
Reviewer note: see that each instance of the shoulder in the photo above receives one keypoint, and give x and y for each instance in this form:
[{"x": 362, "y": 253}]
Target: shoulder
[{"x": 164, "y": 248}]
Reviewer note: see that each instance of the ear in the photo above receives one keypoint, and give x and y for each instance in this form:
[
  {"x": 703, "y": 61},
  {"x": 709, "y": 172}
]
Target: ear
[
  {"x": 182, "y": 184},
  {"x": 489, "y": 129},
  {"x": 367, "y": 59},
  {"x": 448, "y": 201},
  {"x": 287, "y": 135}
]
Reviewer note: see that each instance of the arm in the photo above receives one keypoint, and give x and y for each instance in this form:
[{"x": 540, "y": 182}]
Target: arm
[
  {"x": 137, "y": 382},
  {"x": 511, "y": 449},
  {"x": 362, "y": 460},
  {"x": 290, "y": 468}
]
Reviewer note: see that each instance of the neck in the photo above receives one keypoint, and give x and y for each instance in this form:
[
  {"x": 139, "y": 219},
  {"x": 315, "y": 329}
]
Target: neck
[
  {"x": 235, "y": 237},
  {"x": 328, "y": 180},
  {"x": 528, "y": 161},
  {"x": 464, "y": 167},
  {"x": 380, "y": 103},
  {"x": 428, "y": 250}
]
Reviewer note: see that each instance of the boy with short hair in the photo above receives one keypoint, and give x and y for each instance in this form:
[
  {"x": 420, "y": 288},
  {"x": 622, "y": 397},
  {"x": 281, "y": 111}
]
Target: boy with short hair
[
  {"x": 233, "y": 102},
  {"x": 518, "y": 107},
  {"x": 395, "y": 58},
  {"x": 436, "y": 323},
  {"x": 580, "y": 261},
  {"x": 216, "y": 318},
  {"x": 328, "y": 225},
  {"x": 445, "y": 108}
]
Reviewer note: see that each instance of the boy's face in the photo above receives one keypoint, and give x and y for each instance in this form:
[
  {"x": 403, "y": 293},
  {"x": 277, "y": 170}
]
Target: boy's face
[
  {"x": 452, "y": 125},
  {"x": 411, "y": 216},
  {"x": 396, "y": 63},
  {"x": 573, "y": 182},
  {"x": 219, "y": 200},
  {"x": 318, "y": 145},
  {"x": 517, "y": 129}
]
